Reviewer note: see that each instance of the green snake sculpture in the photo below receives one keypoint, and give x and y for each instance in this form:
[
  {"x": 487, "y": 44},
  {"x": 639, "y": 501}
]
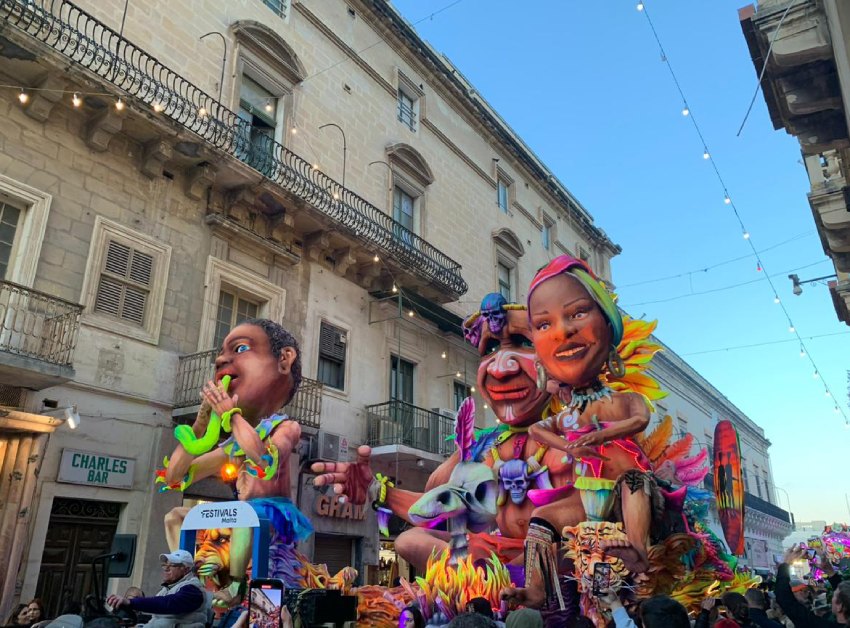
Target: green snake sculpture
[{"x": 197, "y": 446}]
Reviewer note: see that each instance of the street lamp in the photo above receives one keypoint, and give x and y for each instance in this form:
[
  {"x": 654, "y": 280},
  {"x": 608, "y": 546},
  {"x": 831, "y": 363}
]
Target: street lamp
[
  {"x": 389, "y": 172},
  {"x": 344, "y": 146},
  {"x": 798, "y": 285},
  {"x": 223, "y": 60}
]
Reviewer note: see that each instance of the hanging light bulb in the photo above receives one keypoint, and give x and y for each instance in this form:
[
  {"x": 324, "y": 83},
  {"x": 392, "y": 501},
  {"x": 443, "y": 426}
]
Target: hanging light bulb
[
  {"x": 158, "y": 107},
  {"x": 23, "y": 97},
  {"x": 76, "y": 100},
  {"x": 705, "y": 154},
  {"x": 802, "y": 352},
  {"x": 202, "y": 112},
  {"x": 791, "y": 329},
  {"x": 472, "y": 389},
  {"x": 411, "y": 313},
  {"x": 395, "y": 288},
  {"x": 827, "y": 393},
  {"x": 815, "y": 374},
  {"x": 686, "y": 111},
  {"x": 376, "y": 259},
  {"x": 726, "y": 199},
  {"x": 269, "y": 107},
  {"x": 119, "y": 105},
  {"x": 835, "y": 410},
  {"x": 758, "y": 267},
  {"x": 457, "y": 374},
  {"x": 776, "y": 299},
  {"x": 293, "y": 130},
  {"x": 746, "y": 235},
  {"x": 485, "y": 407},
  {"x": 315, "y": 166},
  {"x": 443, "y": 355},
  {"x": 336, "y": 196},
  {"x": 639, "y": 6}
]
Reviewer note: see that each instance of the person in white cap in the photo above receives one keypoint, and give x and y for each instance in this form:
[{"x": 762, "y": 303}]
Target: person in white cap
[{"x": 181, "y": 601}]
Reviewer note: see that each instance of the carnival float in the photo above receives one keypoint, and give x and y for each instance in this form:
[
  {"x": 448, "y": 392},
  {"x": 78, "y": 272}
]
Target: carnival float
[{"x": 567, "y": 489}]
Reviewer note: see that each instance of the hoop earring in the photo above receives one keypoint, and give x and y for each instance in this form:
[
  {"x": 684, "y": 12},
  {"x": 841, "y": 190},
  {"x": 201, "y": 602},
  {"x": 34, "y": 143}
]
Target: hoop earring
[
  {"x": 542, "y": 378},
  {"x": 616, "y": 366}
]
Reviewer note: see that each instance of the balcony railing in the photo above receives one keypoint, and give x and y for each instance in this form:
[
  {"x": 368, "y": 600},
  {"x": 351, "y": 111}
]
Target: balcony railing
[
  {"x": 37, "y": 325},
  {"x": 84, "y": 40},
  {"x": 757, "y": 503},
  {"x": 399, "y": 423},
  {"x": 196, "y": 369}
]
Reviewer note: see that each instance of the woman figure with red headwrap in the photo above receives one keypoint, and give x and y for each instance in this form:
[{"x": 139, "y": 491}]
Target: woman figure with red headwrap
[{"x": 576, "y": 328}]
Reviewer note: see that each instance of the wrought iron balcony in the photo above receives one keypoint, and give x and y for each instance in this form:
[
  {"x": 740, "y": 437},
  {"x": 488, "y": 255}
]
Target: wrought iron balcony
[
  {"x": 85, "y": 41},
  {"x": 196, "y": 369},
  {"x": 757, "y": 503},
  {"x": 38, "y": 333},
  {"x": 399, "y": 423}
]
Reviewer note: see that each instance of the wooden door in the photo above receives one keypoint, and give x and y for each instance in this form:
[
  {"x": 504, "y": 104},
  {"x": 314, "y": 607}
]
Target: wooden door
[{"x": 79, "y": 530}]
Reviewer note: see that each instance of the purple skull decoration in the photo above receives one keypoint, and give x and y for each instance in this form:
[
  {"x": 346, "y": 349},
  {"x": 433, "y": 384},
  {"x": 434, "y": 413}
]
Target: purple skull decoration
[
  {"x": 513, "y": 476},
  {"x": 472, "y": 331},
  {"x": 493, "y": 309}
]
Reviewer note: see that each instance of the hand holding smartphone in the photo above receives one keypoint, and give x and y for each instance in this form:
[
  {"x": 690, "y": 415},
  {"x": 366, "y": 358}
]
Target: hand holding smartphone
[
  {"x": 266, "y": 599},
  {"x": 601, "y": 578}
]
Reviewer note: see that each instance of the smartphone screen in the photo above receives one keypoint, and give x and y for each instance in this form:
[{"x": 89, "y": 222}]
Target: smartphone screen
[
  {"x": 601, "y": 578},
  {"x": 811, "y": 553},
  {"x": 265, "y": 603}
]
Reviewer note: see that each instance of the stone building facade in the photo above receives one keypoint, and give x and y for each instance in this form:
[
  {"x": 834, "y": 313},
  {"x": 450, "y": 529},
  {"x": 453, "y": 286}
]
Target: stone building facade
[{"x": 168, "y": 169}]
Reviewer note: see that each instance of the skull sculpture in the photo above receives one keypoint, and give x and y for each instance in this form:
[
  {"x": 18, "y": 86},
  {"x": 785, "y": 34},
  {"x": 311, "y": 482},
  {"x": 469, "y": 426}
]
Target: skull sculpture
[
  {"x": 493, "y": 309},
  {"x": 513, "y": 476}
]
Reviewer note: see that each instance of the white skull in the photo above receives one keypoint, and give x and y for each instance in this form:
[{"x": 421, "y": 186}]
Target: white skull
[{"x": 513, "y": 476}]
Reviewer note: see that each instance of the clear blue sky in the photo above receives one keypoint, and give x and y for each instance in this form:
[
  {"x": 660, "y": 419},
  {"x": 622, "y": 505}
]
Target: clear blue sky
[{"x": 583, "y": 83}]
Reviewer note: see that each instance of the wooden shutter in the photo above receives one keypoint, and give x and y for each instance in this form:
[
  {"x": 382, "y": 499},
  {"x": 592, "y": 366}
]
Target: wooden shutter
[
  {"x": 332, "y": 342},
  {"x": 125, "y": 283}
]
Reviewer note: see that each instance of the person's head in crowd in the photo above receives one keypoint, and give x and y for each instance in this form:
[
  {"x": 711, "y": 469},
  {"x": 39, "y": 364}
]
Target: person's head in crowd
[
  {"x": 756, "y": 599},
  {"x": 18, "y": 616},
  {"x": 841, "y": 602},
  {"x": 737, "y": 607},
  {"x": 133, "y": 592},
  {"x": 175, "y": 565},
  {"x": 821, "y": 606},
  {"x": 35, "y": 611},
  {"x": 524, "y": 618},
  {"x": 662, "y": 611},
  {"x": 481, "y": 606},
  {"x": 411, "y": 617},
  {"x": 471, "y": 620},
  {"x": 801, "y": 591}
]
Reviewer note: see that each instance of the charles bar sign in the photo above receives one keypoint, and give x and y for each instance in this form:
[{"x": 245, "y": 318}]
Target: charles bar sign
[{"x": 95, "y": 469}]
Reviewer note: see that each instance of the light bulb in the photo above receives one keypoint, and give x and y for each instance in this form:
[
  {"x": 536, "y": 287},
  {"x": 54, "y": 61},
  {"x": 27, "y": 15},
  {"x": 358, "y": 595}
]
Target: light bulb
[
  {"x": 705, "y": 155},
  {"x": 202, "y": 111},
  {"x": 269, "y": 106},
  {"x": 76, "y": 100},
  {"x": 294, "y": 130},
  {"x": 457, "y": 374},
  {"x": 158, "y": 107},
  {"x": 315, "y": 166},
  {"x": 827, "y": 393},
  {"x": 639, "y": 6},
  {"x": 395, "y": 288},
  {"x": 336, "y": 196},
  {"x": 815, "y": 374},
  {"x": 746, "y": 235},
  {"x": 485, "y": 407},
  {"x": 802, "y": 352},
  {"x": 23, "y": 97},
  {"x": 443, "y": 355},
  {"x": 411, "y": 314},
  {"x": 726, "y": 199},
  {"x": 835, "y": 410},
  {"x": 472, "y": 389},
  {"x": 119, "y": 105},
  {"x": 791, "y": 329},
  {"x": 685, "y": 111},
  {"x": 376, "y": 259},
  {"x": 776, "y": 299}
]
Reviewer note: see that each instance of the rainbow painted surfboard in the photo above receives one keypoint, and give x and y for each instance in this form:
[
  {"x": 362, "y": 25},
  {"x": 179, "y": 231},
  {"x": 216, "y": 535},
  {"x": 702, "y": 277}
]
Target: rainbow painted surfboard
[{"x": 729, "y": 485}]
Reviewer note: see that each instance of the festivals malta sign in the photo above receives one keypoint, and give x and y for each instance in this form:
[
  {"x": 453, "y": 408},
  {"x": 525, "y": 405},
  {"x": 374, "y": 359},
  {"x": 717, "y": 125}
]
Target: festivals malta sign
[{"x": 96, "y": 469}]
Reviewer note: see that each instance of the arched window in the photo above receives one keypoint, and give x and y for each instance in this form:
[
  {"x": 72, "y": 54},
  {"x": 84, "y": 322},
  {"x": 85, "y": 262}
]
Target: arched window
[
  {"x": 507, "y": 251},
  {"x": 411, "y": 175}
]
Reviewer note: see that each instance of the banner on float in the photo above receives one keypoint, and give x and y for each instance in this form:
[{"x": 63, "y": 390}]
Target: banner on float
[{"x": 221, "y": 515}]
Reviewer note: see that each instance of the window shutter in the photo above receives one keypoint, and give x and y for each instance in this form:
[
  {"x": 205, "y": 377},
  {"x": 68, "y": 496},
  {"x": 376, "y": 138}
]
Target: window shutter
[
  {"x": 124, "y": 283},
  {"x": 332, "y": 342}
]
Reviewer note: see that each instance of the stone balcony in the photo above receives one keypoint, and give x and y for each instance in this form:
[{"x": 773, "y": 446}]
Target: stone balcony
[
  {"x": 196, "y": 369},
  {"x": 38, "y": 333},
  {"x": 257, "y": 190}
]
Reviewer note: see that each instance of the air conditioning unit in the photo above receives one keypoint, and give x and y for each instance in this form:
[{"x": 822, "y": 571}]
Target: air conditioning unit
[{"x": 327, "y": 446}]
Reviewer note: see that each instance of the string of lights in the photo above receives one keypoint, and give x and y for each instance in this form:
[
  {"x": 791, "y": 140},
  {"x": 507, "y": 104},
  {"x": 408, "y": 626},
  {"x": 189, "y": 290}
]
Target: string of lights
[
  {"x": 715, "y": 265},
  {"x": 729, "y": 201},
  {"x": 766, "y": 343}
]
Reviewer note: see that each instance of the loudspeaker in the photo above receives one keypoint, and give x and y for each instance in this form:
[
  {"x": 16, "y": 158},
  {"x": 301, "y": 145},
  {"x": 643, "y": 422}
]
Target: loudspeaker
[{"x": 123, "y": 553}]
